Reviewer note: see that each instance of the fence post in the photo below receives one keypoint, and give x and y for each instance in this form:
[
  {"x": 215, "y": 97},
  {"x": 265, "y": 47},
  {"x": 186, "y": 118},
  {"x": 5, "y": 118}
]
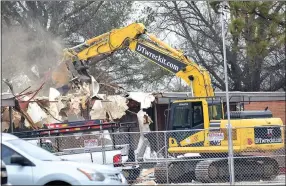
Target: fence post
[
  {"x": 102, "y": 145},
  {"x": 103, "y": 150},
  {"x": 166, "y": 154},
  {"x": 230, "y": 155},
  {"x": 230, "y": 146}
]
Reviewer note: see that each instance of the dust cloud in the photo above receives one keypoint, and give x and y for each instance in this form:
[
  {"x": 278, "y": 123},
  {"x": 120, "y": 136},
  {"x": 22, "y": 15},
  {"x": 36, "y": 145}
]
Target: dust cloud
[{"x": 28, "y": 56}]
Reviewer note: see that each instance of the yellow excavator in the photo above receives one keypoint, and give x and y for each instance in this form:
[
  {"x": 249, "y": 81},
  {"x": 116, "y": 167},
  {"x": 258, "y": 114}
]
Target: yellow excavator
[{"x": 200, "y": 120}]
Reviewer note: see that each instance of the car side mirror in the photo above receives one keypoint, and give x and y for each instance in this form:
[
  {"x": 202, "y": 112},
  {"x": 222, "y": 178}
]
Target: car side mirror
[{"x": 20, "y": 160}]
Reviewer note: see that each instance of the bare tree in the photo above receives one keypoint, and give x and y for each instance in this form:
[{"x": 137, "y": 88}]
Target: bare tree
[
  {"x": 35, "y": 32},
  {"x": 255, "y": 53},
  {"x": 254, "y": 50}
]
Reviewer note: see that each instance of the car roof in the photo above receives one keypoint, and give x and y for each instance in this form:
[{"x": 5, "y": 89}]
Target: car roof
[{"x": 7, "y": 136}]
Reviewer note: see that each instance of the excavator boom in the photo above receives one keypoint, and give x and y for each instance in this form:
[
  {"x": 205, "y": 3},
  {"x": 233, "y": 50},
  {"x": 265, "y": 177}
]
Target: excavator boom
[{"x": 137, "y": 39}]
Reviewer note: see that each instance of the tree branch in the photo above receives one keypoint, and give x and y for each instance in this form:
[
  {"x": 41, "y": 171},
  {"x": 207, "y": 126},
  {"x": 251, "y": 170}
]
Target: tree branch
[
  {"x": 67, "y": 16},
  {"x": 194, "y": 46},
  {"x": 88, "y": 19}
]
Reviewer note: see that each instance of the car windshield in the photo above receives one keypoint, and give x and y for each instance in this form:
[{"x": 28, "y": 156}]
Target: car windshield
[{"x": 33, "y": 150}]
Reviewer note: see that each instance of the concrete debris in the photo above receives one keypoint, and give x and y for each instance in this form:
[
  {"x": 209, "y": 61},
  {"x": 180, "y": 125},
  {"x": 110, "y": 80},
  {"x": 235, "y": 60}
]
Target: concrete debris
[
  {"x": 84, "y": 90},
  {"x": 5, "y": 125},
  {"x": 69, "y": 106},
  {"x": 145, "y": 99},
  {"x": 94, "y": 87},
  {"x": 16, "y": 118},
  {"x": 97, "y": 111},
  {"x": 58, "y": 107},
  {"x": 114, "y": 106},
  {"x": 55, "y": 107},
  {"x": 151, "y": 182},
  {"x": 53, "y": 94},
  {"x": 145, "y": 177},
  {"x": 36, "y": 113},
  {"x": 54, "y": 110},
  {"x": 74, "y": 105},
  {"x": 147, "y": 172}
]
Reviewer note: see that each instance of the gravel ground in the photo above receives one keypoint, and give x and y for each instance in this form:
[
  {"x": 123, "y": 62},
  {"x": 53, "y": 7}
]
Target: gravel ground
[{"x": 280, "y": 180}]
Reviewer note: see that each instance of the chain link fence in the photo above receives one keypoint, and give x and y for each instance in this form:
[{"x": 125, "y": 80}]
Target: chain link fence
[{"x": 187, "y": 156}]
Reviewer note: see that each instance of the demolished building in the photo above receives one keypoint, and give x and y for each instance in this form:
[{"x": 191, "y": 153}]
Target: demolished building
[
  {"x": 55, "y": 109},
  {"x": 146, "y": 109}
]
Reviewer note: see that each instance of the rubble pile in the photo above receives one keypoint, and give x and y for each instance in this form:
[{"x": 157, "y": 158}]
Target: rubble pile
[
  {"x": 114, "y": 105},
  {"x": 58, "y": 108}
]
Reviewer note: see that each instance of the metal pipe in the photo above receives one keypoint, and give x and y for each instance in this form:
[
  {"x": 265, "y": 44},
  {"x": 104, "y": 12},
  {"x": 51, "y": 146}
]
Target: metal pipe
[
  {"x": 230, "y": 145},
  {"x": 79, "y": 46}
]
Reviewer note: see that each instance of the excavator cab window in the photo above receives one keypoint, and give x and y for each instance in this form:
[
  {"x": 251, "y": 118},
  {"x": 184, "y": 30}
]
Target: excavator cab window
[
  {"x": 186, "y": 115},
  {"x": 181, "y": 117},
  {"x": 198, "y": 115},
  {"x": 215, "y": 110}
]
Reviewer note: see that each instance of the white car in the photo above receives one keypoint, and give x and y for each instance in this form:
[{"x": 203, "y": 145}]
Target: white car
[
  {"x": 28, "y": 164},
  {"x": 4, "y": 175}
]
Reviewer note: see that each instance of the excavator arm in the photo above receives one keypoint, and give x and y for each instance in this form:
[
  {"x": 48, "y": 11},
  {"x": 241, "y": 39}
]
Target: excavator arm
[{"x": 137, "y": 39}]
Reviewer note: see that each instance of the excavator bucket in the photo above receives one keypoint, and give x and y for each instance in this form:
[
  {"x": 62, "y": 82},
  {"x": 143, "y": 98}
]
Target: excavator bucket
[
  {"x": 66, "y": 72},
  {"x": 61, "y": 75},
  {"x": 67, "y": 75}
]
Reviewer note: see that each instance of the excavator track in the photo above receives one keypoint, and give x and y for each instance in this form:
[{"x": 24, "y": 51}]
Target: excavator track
[
  {"x": 160, "y": 172},
  {"x": 175, "y": 170},
  {"x": 246, "y": 168},
  {"x": 208, "y": 171}
]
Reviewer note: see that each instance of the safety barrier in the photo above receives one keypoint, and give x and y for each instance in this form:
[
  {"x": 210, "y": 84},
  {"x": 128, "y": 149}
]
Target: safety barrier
[{"x": 181, "y": 156}]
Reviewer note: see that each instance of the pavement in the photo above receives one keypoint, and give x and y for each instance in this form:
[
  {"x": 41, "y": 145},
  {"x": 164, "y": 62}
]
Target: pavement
[{"x": 280, "y": 180}]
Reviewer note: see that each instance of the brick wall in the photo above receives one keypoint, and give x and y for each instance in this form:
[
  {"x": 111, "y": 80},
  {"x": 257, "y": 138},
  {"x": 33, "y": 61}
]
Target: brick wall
[{"x": 276, "y": 107}]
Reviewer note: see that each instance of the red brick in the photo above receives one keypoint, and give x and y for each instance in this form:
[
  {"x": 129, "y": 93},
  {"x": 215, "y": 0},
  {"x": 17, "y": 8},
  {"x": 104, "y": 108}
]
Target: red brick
[{"x": 276, "y": 107}]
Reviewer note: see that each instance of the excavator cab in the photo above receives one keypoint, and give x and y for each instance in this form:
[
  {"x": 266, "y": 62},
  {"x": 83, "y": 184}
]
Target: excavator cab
[
  {"x": 194, "y": 114},
  {"x": 189, "y": 120}
]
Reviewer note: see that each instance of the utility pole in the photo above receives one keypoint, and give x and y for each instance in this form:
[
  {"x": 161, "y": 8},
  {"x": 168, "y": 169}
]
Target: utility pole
[{"x": 229, "y": 127}]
